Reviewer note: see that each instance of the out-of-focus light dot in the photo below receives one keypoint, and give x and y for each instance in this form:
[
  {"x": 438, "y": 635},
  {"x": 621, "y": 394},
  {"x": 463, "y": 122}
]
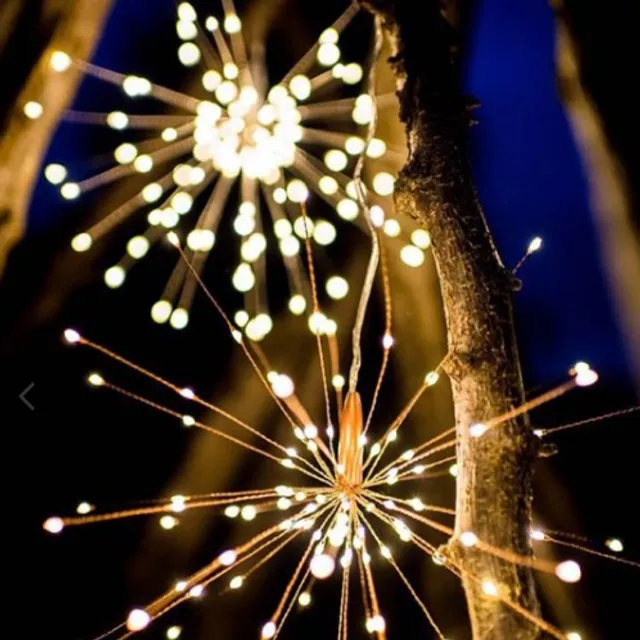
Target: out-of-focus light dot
[
  {"x": 322, "y": 566},
  {"x": 227, "y": 558},
  {"x": 248, "y": 512},
  {"x": 283, "y": 386},
  {"x": 180, "y": 586},
  {"x": 453, "y": 470},
  {"x": 304, "y": 599},
  {"x": 152, "y": 192},
  {"x": 469, "y": 539},
  {"x": 412, "y": 256},
  {"x": 188, "y": 421},
  {"x": 573, "y": 635},
  {"x": 161, "y": 311},
  {"x": 236, "y": 582},
  {"x": 347, "y": 209},
  {"x": 303, "y": 227},
  {"x": 300, "y": 86},
  {"x": 268, "y": 630},
  {"x": 169, "y": 134},
  {"x": 53, "y": 525},
  {"x": 280, "y": 195},
  {"x": 431, "y": 378},
  {"x": 33, "y": 110},
  {"x": 230, "y": 71},
  {"x": 317, "y": 322},
  {"x": 232, "y": 23},
  {"x": 569, "y": 571},
  {"x": 376, "y": 148},
  {"x": 211, "y": 24},
  {"x": 125, "y": 153},
  {"x": 585, "y": 377},
  {"x": 187, "y": 393},
  {"x": 376, "y": 213},
  {"x": 189, "y": 54},
  {"x": 329, "y": 36},
  {"x": 187, "y": 12},
  {"x": 328, "y": 185},
  {"x": 186, "y": 29},
  {"x": 387, "y": 341},
  {"x": 376, "y": 624},
  {"x": 337, "y": 70},
  {"x": 282, "y": 228},
  {"x": 337, "y": 287},
  {"x": 182, "y": 202},
  {"x": 328, "y": 54},
  {"x": 169, "y": 219},
  {"x": 421, "y": 238},
  {"x": 70, "y": 191},
  {"x": 615, "y": 545},
  {"x": 55, "y": 173},
  {"x": 232, "y": 511},
  {"x": 324, "y": 233},
  {"x": 137, "y": 247},
  {"x": 297, "y": 304},
  {"x": 489, "y": 588},
  {"x": 335, "y": 159},
  {"x": 201, "y": 240},
  {"x": 81, "y": 242},
  {"x": 354, "y": 146},
  {"x": 168, "y": 522},
  {"x": 173, "y": 633},
  {"x": 477, "y": 430},
  {"x": 534, "y": 245},
  {"x": 179, "y": 318},
  {"x": 197, "y": 175},
  {"x": 196, "y": 591},
  {"x": 297, "y": 191},
  {"x": 290, "y": 246},
  {"x": 383, "y": 183},
  {"x": 352, "y": 190},
  {"x": 114, "y": 276},
  {"x": 118, "y": 120},
  {"x": 352, "y": 73},
  {"x": 137, "y": 620},
  {"x": 211, "y": 80},
  {"x": 178, "y": 502},
  {"x": 241, "y": 318},
  {"x": 226, "y": 92},
  {"x": 243, "y": 277},
  {"x": 135, "y": 86},
  {"x": 244, "y": 225},
  {"x": 391, "y": 227},
  {"x": 60, "y": 61},
  {"x": 143, "y": 163}
]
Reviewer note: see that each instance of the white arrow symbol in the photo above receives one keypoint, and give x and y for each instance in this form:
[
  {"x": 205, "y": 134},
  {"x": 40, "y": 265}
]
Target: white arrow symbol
[{"x": 24, "y": 393}]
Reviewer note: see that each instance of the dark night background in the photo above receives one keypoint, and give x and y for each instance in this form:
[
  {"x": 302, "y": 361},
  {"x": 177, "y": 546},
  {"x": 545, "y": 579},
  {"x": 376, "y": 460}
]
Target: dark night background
[{"x": 81, "y": 444}]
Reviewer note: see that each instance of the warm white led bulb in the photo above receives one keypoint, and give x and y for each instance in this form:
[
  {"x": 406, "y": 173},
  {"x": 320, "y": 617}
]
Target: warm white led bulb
[
  {"x": 137, "y": 620},
  {"x": 322, "y": 566}
]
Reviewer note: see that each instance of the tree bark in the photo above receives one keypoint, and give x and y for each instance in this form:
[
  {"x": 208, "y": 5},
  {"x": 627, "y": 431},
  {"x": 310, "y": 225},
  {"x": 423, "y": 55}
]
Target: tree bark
[
  {"x": 72, "y": 26},
  {"x": 494, "y": 491}
]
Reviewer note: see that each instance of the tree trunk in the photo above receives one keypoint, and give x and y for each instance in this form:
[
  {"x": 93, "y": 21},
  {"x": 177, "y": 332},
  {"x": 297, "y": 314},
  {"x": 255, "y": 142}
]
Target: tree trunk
[
  {"x": 72, "y": 26},
  {"x": 494, "y": 490}
]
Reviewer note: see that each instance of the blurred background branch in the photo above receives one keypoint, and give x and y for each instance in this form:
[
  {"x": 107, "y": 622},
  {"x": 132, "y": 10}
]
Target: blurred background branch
[
  {"x": 28, "y": 36},
  {"x": 609, "y": 183}
]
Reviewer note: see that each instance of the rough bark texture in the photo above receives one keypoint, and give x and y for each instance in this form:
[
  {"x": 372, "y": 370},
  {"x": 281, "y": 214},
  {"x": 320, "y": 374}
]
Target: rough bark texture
[
  {"x": 609, "y": 186},
  {"x": 73, "y": 26},
  {"x": 435, "y": 187}
]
